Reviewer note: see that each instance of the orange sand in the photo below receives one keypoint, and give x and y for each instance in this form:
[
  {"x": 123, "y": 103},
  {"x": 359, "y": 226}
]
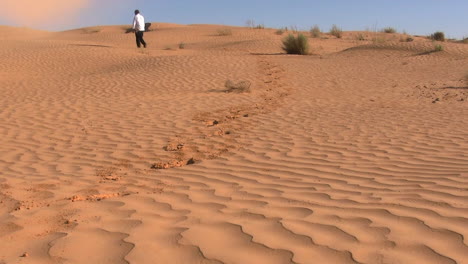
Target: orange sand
[{"x": 356, "y": 154}]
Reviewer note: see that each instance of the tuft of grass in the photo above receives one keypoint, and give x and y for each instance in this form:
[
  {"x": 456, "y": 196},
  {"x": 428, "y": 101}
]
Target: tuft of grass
[
  {"x": 296, "y": 45},
  {"x": 315, "y": 32},
  {"x": 389, "y": 30},
  {"x": 406, "y": 39},
  {"x": 438, "y": 36},
  {"x": 336, "y": 31},
  {"x": 279, "y": 31},
  {"x": 438, "y": 48},
  {"x": 360, "y": 37},
  {"x": 224, "y": 32},
  {"x": 240, "y": 87},
  {"x": 294, "y": 29},
  {"x": 181, "y": 45},
  {"x": 259, "y": 26}
]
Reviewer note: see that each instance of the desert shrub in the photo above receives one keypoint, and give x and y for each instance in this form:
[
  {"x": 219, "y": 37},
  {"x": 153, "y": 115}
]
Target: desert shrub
[
  {"x": 294, "y": 29},
  {"x": 315, "y": 32},
  {"x": 438, "y": 36},
  {"x": 240, "y": 87},
  {"x": 279, "y": 31},
  {"x": 224, "y": 32},
  {"x": 406, "y": 39},
  {"x": 360, "y": 37},
  {"x": 389, "y": 30},
  {"x": 336, "y": 31},
  {"x": 260, "y": 26},
  {"x": 296, "y": 45},
  {"x": 438, "y": 48},
  {"x": 250, "y": 23},
  {"x": 181, "y": 45}
]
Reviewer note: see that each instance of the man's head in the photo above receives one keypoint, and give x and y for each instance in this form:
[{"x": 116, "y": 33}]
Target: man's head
[{"x": 137, "y": 12}]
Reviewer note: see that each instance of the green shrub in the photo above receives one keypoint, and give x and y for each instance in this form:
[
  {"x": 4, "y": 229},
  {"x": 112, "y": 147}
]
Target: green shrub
[
  {"x": 389, "y": 30},
  {"x": 336, "y": 31},
  {"x": 438, "y": 48},
  {"x": 182, "y": 45},
  {"x": 315, "y": 32},
  {"x": 438, "y": 36},
  {"x": 296, "y": 45}
]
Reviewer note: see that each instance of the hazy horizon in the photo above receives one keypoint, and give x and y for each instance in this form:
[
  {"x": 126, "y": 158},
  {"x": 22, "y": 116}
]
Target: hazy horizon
[{"x": 417, "y": 18}]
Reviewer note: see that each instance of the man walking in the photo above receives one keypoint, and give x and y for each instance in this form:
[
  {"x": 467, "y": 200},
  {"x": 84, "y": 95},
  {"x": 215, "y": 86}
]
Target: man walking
[{"x": 139, "y": 27}]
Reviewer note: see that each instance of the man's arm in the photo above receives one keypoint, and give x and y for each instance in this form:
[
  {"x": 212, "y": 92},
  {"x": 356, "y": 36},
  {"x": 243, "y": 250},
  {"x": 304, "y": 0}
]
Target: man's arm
[{"x": 134, "y": 22}]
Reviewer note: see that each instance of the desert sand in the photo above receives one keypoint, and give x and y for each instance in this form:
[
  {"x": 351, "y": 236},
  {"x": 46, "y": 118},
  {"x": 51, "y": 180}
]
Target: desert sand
[{"x": 357, "y": 153}]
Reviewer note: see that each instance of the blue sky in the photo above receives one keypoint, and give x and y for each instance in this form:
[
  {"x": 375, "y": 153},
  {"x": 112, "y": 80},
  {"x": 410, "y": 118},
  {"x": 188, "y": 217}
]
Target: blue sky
[{"x": 420, "y": 17}]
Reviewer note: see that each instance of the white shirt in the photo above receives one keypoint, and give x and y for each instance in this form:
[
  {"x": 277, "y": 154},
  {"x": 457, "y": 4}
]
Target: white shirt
[{"x": 139, "y": 22}]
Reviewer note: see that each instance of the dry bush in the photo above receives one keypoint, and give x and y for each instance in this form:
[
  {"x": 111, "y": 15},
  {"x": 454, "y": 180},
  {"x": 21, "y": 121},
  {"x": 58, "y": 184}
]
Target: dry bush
[
  {"x": 389, "y": 30},
  {"x": 279, "y": 31},
  {"x": 294, "y": 29},
  {"x": 438, "y": 36},
  {"x": 250, "y": 23},
  {"x": 224, "y": 32},
  {"x": 336, "y": 31},
  {"x": 360, "y": 37},
  {"x": 181, "y": 45},
  {"x": 315, "y": 32},
  {"x": 240, "y": 87},
  {"x": 296, "y": 45}
]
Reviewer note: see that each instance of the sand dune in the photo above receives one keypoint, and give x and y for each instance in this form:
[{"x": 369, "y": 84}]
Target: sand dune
[{"x": 113, "y": 154}]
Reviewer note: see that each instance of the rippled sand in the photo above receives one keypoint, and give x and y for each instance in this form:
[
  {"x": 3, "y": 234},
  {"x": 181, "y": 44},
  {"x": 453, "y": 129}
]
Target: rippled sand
[{"x": 113, "y": 154}]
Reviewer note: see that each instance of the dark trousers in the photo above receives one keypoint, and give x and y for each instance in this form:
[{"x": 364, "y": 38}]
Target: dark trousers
[{"x": 139, "y": 39}]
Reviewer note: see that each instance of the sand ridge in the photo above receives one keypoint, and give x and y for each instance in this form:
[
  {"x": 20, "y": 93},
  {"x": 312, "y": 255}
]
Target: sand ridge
[{"x": 112, "y": 154}]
